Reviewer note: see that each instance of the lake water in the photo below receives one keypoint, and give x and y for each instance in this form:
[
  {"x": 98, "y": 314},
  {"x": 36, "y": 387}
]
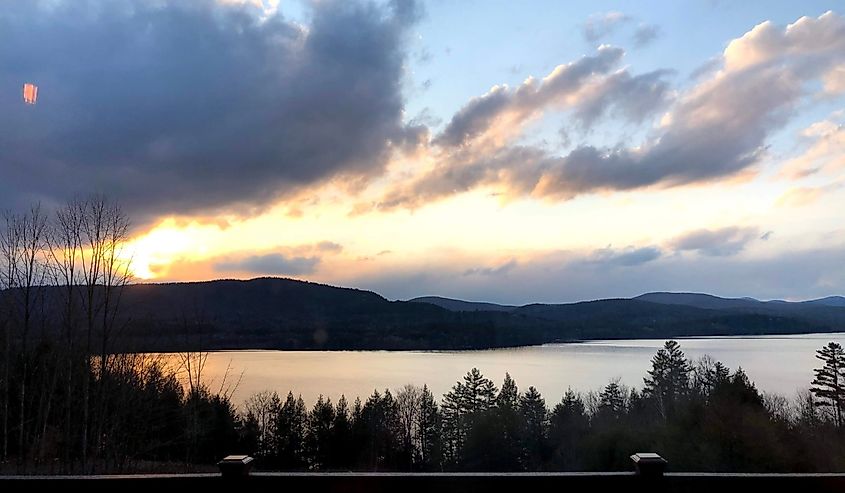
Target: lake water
[{"x": 782, "y": 364}]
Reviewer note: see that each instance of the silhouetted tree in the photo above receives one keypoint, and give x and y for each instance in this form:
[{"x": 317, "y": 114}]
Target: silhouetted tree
[
  {"x": 291, "y": 424},
  {"x": 612, "y": 400},
  {"x": 532, "y": 408},
  {"x": 668, "y": 378},
  {"x": 264, "y": 407},
  {"x": 568, "y": 425},
  {"x": 409, "y": 402},
  {"x": 829, "y": 384},
  {"x": 318, "y": 436},
  {"x": 341, "y": 437},
  {"x": 430, "y": 432},
  {"x": 461, "y": 406}
]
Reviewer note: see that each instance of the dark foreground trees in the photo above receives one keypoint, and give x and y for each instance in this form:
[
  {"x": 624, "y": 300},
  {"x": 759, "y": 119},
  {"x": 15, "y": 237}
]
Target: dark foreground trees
[
  {"x": 68, "y": 401},
  {"x": 701, "y": 415}
]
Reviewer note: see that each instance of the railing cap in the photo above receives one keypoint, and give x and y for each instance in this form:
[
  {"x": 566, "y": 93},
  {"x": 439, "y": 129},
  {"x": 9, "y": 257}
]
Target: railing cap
[
  {"x": 235, "y": 459},
  {"x": 648, "y": 458}
]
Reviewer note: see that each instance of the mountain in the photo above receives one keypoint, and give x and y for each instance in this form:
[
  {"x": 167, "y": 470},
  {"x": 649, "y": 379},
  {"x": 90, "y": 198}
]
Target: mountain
[
  {"x": 463, "y": 306},
  {"x": 698, "y": 300},
  {"x": 838, "y": 301},
  {"x": 825, "y": 311},
  {"x": 278, "y": 313},
  {"x": 274, "y": 313}
]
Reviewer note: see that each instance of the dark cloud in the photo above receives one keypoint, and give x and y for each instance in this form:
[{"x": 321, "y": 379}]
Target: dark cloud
[
  {"x": 492, "y": 271},
  {"x": 645, "y": 34},
  {"x": 718, "y": 242},
  {"x": 186, "y": 106},
  {"x": 626, "y": 257},
  {"x": 269, "y": 264},
  {"x": 601, "y": 25}
]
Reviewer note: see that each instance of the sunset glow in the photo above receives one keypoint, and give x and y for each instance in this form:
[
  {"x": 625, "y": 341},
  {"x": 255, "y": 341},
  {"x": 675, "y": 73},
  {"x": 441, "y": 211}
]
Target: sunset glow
[{"x": 599, "y": 159}]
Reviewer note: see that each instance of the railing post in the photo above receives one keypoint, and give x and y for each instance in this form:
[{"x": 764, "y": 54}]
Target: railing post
[
  {"x": 235, "y": 466},
  {"x": 649, "y": 465}
]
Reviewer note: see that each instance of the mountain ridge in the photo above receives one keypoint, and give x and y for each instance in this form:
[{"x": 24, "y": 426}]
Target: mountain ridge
[{"x": 289, "y": 314}]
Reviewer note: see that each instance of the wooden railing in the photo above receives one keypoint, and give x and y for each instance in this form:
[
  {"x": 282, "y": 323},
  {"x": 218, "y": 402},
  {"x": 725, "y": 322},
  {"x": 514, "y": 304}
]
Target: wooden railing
[{"x": 648, "y": 476}]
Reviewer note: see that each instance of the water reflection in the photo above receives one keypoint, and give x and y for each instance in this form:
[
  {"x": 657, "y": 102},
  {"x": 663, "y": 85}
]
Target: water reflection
[{"x": 781, "y": 364}]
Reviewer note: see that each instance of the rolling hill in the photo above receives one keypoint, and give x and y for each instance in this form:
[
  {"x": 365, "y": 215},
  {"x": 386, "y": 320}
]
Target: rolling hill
[{"x": 274, "y": 313}]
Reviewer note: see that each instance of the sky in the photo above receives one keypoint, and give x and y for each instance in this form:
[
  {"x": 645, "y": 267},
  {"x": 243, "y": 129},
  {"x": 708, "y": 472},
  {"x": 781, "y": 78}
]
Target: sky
[{"x": 510, "y": 152}]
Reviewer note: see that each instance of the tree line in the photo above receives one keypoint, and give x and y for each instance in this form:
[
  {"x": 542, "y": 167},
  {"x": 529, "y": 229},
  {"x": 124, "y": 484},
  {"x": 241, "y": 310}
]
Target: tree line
[
  {"x": 700, "y": 415},
  {"x": 70, "y": 402}
]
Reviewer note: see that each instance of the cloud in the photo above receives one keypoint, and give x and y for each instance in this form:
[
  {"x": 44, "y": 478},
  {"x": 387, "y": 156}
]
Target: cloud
[
  {"x": 627, "y": 257},
  {"x": 645, "y": 34},
  {"x": 503, "y": 110},
  {"x": 801, "y": 196},
  {"x": 269, "y": 264},
  {"x": 196, "y": 106},
  {"x": 716, "y": 130},
  {"x": 492, "y": 271},
  {"x": 329, "y": 247},
  {"x": 718, "y": 242},
  {"x": 603, "y": 24},
  {"x": 824, "y": 155},
  {"x": 566, "y": 276}
]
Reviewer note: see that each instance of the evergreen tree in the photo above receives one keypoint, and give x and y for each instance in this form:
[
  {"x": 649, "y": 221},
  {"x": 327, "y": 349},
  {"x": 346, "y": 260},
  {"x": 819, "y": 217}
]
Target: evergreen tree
[
  {"x": 829, "y": 384},
  {"x": 668, "y": 378},
  {"x": 612, "y": 400},
  {"x": 479, "y": 392},
  {"x": 319, "y": 434},
  {"x": 568, "y": 425},
  {"x": 429, "y": 429},
  {"x": 341, "y": 436},
  {"x": 380, "y": 416},
  {"x": 507, "y": 421},
  {"x": 509, "y": 395},
  {"x": 464, "y": 403},
  {"x": 291, "y": 424},
  {"x": 532, "y": 408}
]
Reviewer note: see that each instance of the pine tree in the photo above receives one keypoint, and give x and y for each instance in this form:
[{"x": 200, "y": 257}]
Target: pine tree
[
  {"x": 480, "y": 392},
  {"x": 509, "y": 395},
  {"x": 668, "y": 378},
  {"x": 466, "y": 400},
  {"x": 429, "y": 432},
  {"x": 612, "y": 400},
  {"x": 532, "y": 408},
  {"x": 319, "y": 434},
  {"x": 291, "y": 424},
  {"x": 568, "y": 424},
  {"x": 829, "y": 384},
  {"x": 341, "y": 437}
]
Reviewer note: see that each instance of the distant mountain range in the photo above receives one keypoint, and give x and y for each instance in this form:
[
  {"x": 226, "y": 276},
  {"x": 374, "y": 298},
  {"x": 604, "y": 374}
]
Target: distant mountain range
[
  {"x": 273, "y": 313},
  {"x": 698, "y": 300}
]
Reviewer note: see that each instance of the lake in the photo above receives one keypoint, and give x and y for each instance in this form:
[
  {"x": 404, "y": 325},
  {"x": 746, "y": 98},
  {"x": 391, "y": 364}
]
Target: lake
[{"x": 781, "y": 364}]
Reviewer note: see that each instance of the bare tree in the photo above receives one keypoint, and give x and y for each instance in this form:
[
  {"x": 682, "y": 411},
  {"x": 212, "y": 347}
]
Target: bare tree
[
  {"x": 23, "y": 246},
  {"x": 65, "y": 252},
  {"x": 409, "y": 400},
  {"x": 264, "y": 406},
  {"x": 104, "y": 272}
]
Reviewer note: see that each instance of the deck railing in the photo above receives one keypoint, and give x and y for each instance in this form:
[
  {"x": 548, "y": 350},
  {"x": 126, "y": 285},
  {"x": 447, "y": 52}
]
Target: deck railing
[{"x": 235, "y": 476}]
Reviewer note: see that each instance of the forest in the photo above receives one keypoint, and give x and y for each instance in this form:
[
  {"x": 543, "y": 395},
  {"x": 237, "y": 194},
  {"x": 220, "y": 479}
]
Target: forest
[{"x": 71, "y": 403}]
